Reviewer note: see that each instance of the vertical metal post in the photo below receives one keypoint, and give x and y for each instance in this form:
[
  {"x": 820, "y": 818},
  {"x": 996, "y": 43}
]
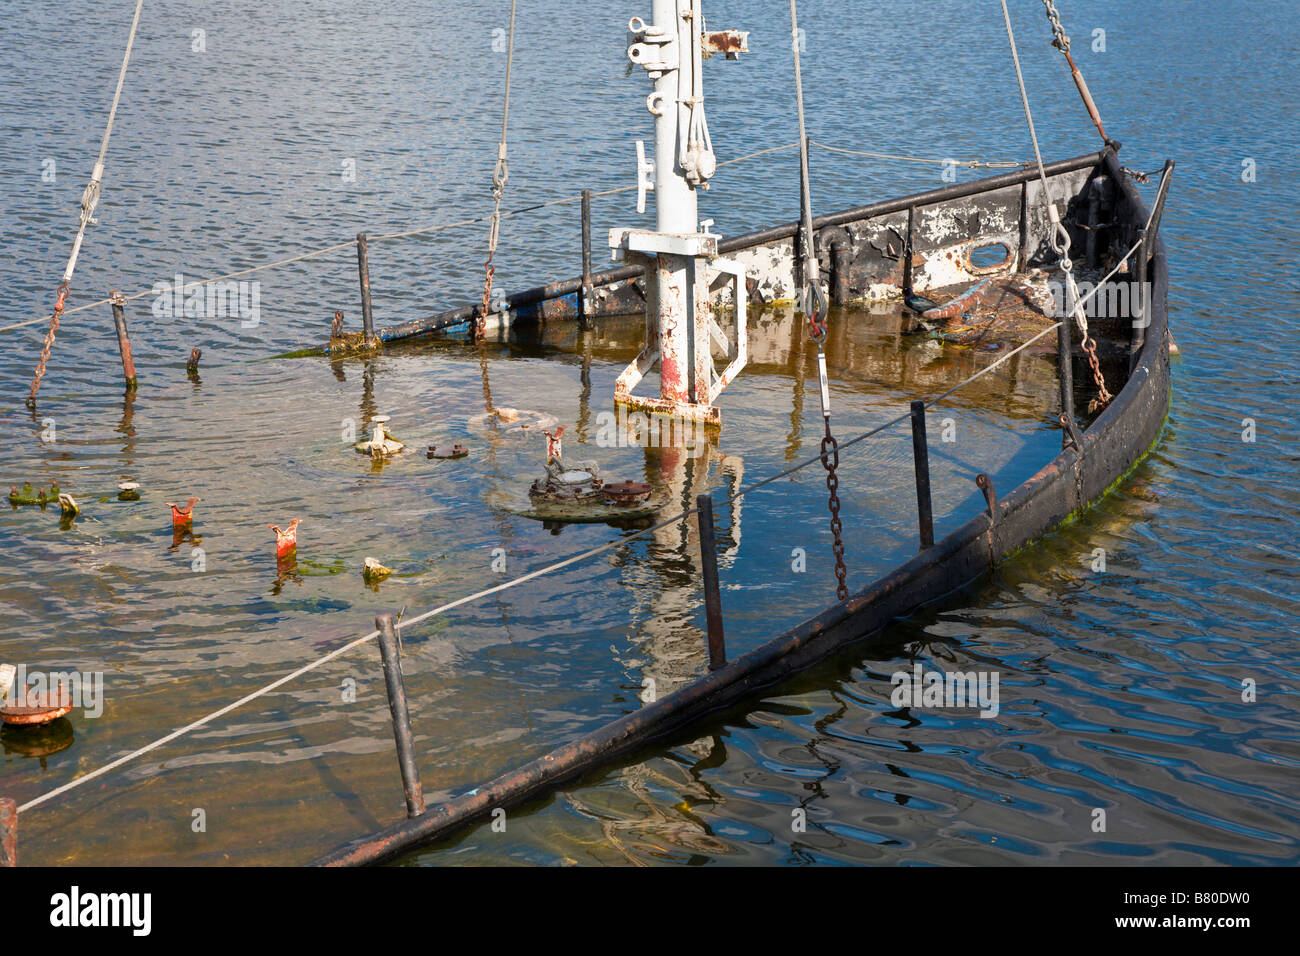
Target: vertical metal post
[
  {"x": 921, "y": 459},
  {"x": 118, "y": 302},
  {"x": 392, "y": 659},
  {"x": 1139, "y": 316},
  {"x": 363, "y": 271},
  {"x": 585, "y": 301},
  {"x": 676, "y": 209},
  {"x": 712, "y": 599},
  {"x": 1065, "y": 360},
  {"x": 8, "y": 833}
]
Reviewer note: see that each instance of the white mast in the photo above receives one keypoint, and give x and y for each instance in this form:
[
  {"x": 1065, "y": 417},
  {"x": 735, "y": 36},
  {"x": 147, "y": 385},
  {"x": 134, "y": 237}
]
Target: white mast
[{"x": 678, "y": 255}]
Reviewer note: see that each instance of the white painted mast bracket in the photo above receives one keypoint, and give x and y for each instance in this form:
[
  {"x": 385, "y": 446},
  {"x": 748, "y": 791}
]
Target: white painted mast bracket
[{"x": 680, "y": 255}]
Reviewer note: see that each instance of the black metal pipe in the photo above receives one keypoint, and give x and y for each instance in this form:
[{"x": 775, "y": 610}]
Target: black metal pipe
[
  {"x": 454, "y": 317},
  {"x": 392, "y": 659},
  {"x": 585, "y": 303},
  {"x": 118, "y": 302},
  {"x": 1065, "y": 363},
  {"x": 712, "y": 597},
  {"x": 921, "y": 458},
  {"x": 841, "y": 261},
  {"x": 363, "y": 272}
]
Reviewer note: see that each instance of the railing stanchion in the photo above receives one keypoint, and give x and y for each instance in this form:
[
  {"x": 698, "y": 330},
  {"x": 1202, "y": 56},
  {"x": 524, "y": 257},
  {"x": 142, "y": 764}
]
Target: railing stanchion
[
  {"x": 363, "y": 271},
  {"x": 585, "y": 296},
  {"x": 921, "y": 459},
  {"x": 712, "y": 598},
  {"x": 392, "y": 658},
  {"x": 1065, "y": 360},
  {"x": 118, "y": 302}
]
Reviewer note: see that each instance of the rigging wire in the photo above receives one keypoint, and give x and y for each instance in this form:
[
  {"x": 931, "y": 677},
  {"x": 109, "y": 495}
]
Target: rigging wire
[
  {"x": 500, "y": 173},
  {"x": 89, "y": 200},
  {"x": 1060, "y": 238}
]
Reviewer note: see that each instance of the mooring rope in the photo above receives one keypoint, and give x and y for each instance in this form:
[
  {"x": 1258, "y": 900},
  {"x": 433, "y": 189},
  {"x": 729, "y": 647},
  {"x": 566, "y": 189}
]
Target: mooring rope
[{"x": 89, "y": 200}]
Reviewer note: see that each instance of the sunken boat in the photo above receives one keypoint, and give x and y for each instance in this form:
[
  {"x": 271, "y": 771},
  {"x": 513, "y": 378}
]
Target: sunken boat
[{"x": 1061, "y": 257}]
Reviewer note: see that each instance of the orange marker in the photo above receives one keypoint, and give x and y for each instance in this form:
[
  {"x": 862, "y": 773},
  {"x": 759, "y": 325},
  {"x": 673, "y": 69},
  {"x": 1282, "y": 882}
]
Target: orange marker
[
  {"x": 286, "y": 541},
  {"x": 182, "y": 518}
]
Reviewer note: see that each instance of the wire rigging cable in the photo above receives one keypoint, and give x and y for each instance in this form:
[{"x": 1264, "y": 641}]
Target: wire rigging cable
[
  {"x": 1060, "y": 238},
  {"x": 500, "y": 173},
  {"x": 89, "y": 200},
  {"x": 813, "y": 304}
]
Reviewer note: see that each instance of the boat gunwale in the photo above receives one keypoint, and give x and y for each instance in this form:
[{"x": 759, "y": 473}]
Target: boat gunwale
[{"x": 528, "y": 298}]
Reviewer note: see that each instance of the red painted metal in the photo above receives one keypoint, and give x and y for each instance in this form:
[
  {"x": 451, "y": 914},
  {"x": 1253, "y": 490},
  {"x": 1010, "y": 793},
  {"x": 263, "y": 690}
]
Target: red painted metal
[
  {"x": 286, "y": 541},
  {"x": 183, "y": 518}
]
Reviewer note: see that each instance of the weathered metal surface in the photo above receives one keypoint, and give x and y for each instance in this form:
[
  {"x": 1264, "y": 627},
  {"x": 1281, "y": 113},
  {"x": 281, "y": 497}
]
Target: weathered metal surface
[
  {"x": 1120, "y": 435},
  {"x": 8, "y": 832},
  {"x": 921, "y": 465},
  {"x": 38, "y": 708},
  {"x": 877, "y": 233},
  {"x": 118, "y": 303},
  {"x": 730, "y": 42},
  {"x": 712, "y": 596},
  {"x": 626, "y": 492},
  {"x": 363, "y": 273}
]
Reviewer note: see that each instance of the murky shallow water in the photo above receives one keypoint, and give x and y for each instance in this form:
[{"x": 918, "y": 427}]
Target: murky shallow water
[{"x": 1119, "y": 690}]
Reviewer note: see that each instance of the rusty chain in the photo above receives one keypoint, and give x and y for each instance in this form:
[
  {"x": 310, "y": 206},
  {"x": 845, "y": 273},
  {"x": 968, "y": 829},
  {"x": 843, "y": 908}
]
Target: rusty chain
[
  {"x": 813, "y": 304},
  {"x": 833, "y": 502},
  {"x": 1061, "y": 244},
  {"x": 49, "y": 342},
  {"x": 1061, "y": 40}
]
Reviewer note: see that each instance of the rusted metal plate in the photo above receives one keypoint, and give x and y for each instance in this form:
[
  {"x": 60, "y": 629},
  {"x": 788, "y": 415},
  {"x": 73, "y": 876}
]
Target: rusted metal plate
[
  {"x": 8, "y": 832},
  {"x": 38, "y": 708},
  {"x": 626, "y": 492},
  {"x": 730, "y": 42}
]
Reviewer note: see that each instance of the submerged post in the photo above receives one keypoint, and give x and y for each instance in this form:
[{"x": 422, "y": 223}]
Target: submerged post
[
  {"x": 921, "y": 458},
  {"x": 363, "y": 271},
  {"x": 585, "y": 296},
  {"x": 712, "y": 599},
  {"x": 392, "y": 659},
  {"x": 8, "y": 832},
  {"x": 118, "y": 302}
]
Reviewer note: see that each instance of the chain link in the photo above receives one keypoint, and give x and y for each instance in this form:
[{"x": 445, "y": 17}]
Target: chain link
[
  {"x": 49, "y": 343},
  {"x": 831, "y": 462},
  {"x": 1062, "y": 39},
  {"x": 1061, "y": 243}
]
